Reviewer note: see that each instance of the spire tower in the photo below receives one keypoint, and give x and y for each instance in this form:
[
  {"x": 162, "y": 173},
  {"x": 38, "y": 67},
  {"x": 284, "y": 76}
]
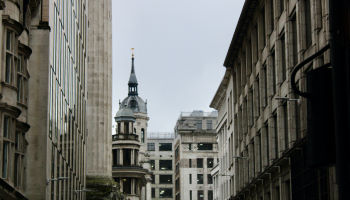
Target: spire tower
[{"x": 132, "y": 80}]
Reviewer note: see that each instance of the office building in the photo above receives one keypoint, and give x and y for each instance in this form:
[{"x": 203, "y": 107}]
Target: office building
[
  {"x": 160, "y": 153},
  {"x": 278, "y": 154},
  {"x": 56, "y": 165},
  {"x": 195, "y": 153},
  {"x": 15, "y": 21}
]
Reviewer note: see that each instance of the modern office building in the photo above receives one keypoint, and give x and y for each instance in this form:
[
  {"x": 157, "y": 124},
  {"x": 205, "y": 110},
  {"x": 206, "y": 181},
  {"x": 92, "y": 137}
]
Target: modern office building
[
  {"x": 15, "y": 21},
  {"x": 160, "y": 153},
  {"x": 224, "y": 171},
  {"x": 99, "y": 102},
  {"x": 131, "y": 167},
  {"x": 56, "y": 165},
  {"x": 283, "y": 141},
  {"x": 195, "y": 153}
]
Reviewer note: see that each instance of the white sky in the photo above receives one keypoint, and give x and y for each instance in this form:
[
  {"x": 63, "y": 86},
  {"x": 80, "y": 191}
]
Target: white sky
[{"x": 180, "y": 47}]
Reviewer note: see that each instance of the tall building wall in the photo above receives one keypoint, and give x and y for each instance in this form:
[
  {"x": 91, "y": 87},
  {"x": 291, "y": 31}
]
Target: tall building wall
[
  {"x": 99, "y": 107},
  {"x": 195, "y": 154},
  {"x": 161, "y": 154},
  {"x": 15, "y": 50},
  {"x": 57, "y": 100},
  {"x": 222, "y": 101},
  {"x": 271, "y": 122}
]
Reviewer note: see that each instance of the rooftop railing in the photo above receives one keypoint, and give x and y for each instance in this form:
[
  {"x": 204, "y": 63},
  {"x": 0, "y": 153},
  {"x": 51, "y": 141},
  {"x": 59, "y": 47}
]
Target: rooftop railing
[{"x": 125, "y": 137}]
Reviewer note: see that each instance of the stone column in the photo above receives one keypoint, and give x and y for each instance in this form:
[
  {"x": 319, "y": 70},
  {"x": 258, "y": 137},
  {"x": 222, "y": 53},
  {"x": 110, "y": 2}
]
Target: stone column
[
  {"x": 99, "y": 103},
  {"x": 132, "y": 157},
  {"x": 148, "y": 190}
]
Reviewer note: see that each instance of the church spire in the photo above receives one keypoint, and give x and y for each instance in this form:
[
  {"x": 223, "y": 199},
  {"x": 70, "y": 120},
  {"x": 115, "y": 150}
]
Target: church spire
[{"x": 132, "y": 80}]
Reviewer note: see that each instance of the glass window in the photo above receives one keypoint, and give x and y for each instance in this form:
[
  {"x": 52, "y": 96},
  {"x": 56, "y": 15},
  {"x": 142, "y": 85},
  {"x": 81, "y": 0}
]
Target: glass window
[
  {"x": 143, "y": 135},
  {"x": 199, "y": 124},
  {"x": 210, "y": 179},
  {"x": 115, "y": 157},
  {"x": 210, "y": 162},
  {"x": 294, "y": 39},
  {"x": 165, "y": 179},
  {"x": 6, "y": 126},
  {"x": 16, "y": 170},
  {"x": 8, "y": 76},
  {"x": 205, "y": 146},
  {"x": 153, "y": 192},
  {"x": 210, "y": 195},
  {"x": 165, "y": 164},
  {"x": 190, "y": 163},
  {"x": 190, "y": 178},
  {"x": 153, "y": 165},
  {"x": 165, "y": 192},
  {"x": 274, "y": 72},
  {"x": 283, "y": 57},
  {"x": 165, "y": 147},
  {"x": 199, "y": 162},
  {"x": 308, "y": 24},
  {"x": 5, "y": 159},
  {"x": 153, "y": 179},
  {"x": 199, "y": 178},
  {"x": 209, "y": 124},
  {"x": 281, "y": 6},
  {"x": 200, "y": 195},
  {"x": 285, "y": 126},
  {"x": 127, "y": 185},
  {"x": 9, "y": 40},
  {"x": 150, "y": 147}
]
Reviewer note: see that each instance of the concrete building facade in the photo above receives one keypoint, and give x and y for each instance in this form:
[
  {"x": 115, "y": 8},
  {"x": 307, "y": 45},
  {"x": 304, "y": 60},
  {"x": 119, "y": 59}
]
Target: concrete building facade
[
  {"x": 272, "y": 133},
  {"x": 161, "y": 157},
  {"x": 15, "y": 51},
  {"x": 195, "y": 153},
  {"x": 134, "y": 146},
  {"x": 99, "y": 102},
  {"x": 224, "y": 172},
  {"x": 56, "y": 164}
]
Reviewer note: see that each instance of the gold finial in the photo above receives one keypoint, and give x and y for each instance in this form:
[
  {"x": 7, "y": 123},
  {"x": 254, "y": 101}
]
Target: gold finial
[{"x": 132, "y": 52}]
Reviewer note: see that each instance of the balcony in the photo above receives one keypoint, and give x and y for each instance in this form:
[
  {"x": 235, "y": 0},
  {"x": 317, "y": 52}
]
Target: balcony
[
  {"x": 131, "y": 171},
  {"x": 125, "y": 137}
]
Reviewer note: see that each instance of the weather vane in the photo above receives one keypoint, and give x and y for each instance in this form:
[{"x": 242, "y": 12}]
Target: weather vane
[{"x": 132, "y": 52}]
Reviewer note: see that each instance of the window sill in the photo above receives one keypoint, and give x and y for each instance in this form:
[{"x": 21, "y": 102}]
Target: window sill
[{"x": 3, "y": 83}]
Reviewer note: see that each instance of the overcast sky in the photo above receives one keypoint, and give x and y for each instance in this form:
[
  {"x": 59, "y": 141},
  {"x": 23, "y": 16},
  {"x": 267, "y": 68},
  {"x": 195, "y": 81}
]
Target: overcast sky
[{"x": 180, "y": 47}]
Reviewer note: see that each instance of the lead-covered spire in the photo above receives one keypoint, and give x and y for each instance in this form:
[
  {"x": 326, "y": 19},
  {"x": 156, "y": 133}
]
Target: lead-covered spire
[{"x": 132, "y": 80}]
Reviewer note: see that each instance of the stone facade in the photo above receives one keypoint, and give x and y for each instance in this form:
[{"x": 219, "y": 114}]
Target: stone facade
[
  {"x": 56, "y": 164},
  {"x": 195, "y": 153},
  {"x": 127, "y": 169},
  {"x": 99, "y": 102},
  {"x": 15, "y": 20},
  {"x": 270, "y": 120},
  {"x": 160, "y": 154},
  {"x": 223, "y": 175}
]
